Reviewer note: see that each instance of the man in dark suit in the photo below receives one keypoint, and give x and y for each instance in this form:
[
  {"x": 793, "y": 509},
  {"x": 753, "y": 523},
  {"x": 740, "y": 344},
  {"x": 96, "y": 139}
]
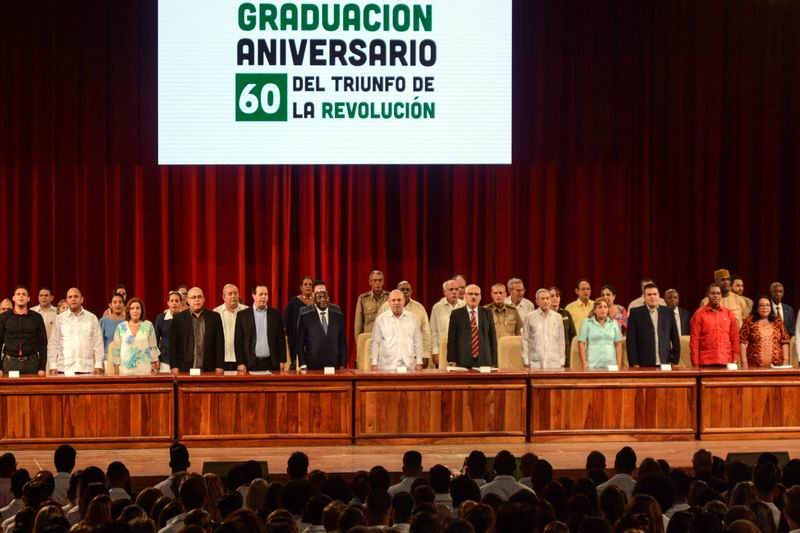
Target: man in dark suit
[
  {"x": 781, "y": 309},
  {"x": 471, "y": 338},
  {"x": 196, "y": 339},
  {"x": 652, "y": 333},
  {"x": 682, "y": 316},
  {"x": 321, "y": 340},
  {"x": 259, "y": 339}
]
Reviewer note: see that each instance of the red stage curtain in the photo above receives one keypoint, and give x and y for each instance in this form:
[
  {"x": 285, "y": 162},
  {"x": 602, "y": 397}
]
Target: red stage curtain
[{"x": 650, "y": 137}]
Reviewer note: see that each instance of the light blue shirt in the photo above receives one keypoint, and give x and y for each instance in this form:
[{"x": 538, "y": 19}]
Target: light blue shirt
[
  {"x": 600, "y": 342},
  {"x": 262, "y": 346}
]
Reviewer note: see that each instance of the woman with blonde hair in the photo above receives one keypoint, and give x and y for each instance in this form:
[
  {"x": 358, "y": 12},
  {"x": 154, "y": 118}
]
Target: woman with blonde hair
[{"x": 99, "y": 512}]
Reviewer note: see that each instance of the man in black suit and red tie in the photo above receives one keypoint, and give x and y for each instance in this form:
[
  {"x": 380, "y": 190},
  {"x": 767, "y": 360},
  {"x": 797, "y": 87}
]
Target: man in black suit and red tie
[
  {"x": 471, "y": 338},
  {"x": 321, "y": 340},
  {"x": 259, "y": 339}
]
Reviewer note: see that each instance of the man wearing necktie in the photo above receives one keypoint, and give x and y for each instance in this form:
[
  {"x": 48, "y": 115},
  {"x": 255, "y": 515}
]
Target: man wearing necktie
[
  {"x": 472, "y": 340},
  {"x": 786, "y": 312},
  {"x": 321, "y": 340}
]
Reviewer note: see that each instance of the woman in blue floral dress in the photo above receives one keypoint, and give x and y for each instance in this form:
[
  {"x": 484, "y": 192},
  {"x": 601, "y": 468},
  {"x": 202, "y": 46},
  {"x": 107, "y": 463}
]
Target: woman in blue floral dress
[{"x": 134, "y": 349}]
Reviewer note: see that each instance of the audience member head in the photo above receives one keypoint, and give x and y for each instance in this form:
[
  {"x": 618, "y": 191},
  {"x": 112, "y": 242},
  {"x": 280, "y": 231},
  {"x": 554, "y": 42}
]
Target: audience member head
[
  {"x": 763, "y": 516},
  {"x": 229, "y": 503},
  {"x": 132, "y": 512},
  {"x": 178, "y": 458},
  {"x": 18, "y": 480},
  {"x": 516, "y": 518},
  {"x": 476, "y": 465},
  {"x": 331, "y": 514},
  {"x": 118, "y": 476},
  {"x": 158, "y": 506},
  {"x": 423, "y": 494},
  {"x": 742, "y": 493},
  {"x": 170, "y": 511},
  {"x": 64, "y": 458},
  {"x": 99, "y": 511},
  {"x": 315, "y": 507},
  {"x": 625, "y": 461},
  {"x": 791, "y": 507},
  {"x": 765, "y": 479},
  {"x": 791, "y": 473},
  {"x": 743, "y": 526},
  {"x": 252, "y": 470},
  {"x": 297, "y": 466},
  {"x": 336, "y": 488},
  {"x": 526, "y": 464},
  {"x": 50, "y": 516},
  {"x": 555, "y": 493},
  {"x": 8, "y": 464},
  {"x": 587, "y": 487},
  {"x": 248, "y": 521},
  {"x": 425, "y": 523},
  {"x": 464, "y": 488},
  {"x": 89, "y": 476},
  {"x": 683, "y": 482},
  {"x": 412, "y": 463},
  {"x": 660, "y": 487},
  {"x": 256, "y": 495},
  {"x": 595, "y": 461},
  {"x": 379, "y": 478},
  {"x": 379, "y": 503},
  {"x": 402, "y": 507},
  {"x": 542, "y": 475},
  {"x": 350, "y": 518},
  {"x": 647, "y": 506},
  {"x": 458, "y": 526},
  {"x": 192, "y": 492},
  {"x": 649, "y": 466},
  {"x": 481, "y": 517},
  {"x": 295, "y": 494},
  {"x": 439, "y": 478},
  {"x": 612, "y": 502}
]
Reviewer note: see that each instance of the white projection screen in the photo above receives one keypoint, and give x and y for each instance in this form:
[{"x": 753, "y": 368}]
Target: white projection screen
[{"x": 327, "y": 82}]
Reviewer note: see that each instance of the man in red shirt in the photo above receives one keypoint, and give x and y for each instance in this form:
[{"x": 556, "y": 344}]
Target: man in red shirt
[{"x": 715, "y": 334}]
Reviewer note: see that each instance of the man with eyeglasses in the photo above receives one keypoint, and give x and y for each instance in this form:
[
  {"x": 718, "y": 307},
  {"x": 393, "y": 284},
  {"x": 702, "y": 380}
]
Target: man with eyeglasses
[
  {"x": 321, "y": 339},
  {"x": 196, "y": 337}
]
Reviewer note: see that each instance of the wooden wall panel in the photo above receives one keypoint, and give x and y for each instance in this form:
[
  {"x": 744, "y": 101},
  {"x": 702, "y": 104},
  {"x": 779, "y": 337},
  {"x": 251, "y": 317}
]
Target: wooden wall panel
[
  {"x": 265, "y": 410},
  {"x": 616, "y": 407},
  {"x": 87, "y": 411},
  {"x": 755, "y": 406},
  {"x": 422, "y": 409}
]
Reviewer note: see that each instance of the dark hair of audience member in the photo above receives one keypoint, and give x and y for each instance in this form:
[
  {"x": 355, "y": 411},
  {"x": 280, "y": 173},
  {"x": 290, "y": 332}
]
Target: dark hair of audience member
[
  {"x": 738, "y": 512},
  {"x": 336, "y": 488},
  {"x": 556, "y": 527},
  {"x": 24, "y": 520},
  {"x": 248, "y": 520},
  {"x": 294, "y": 495},
  {"x": 542, "y": 475},
  {"x": 131, "y": 512},
  {"x": 545, "y": 512},
  {"x": 492, "y": 500},
  {"x": 660, "y": 487},
  {"x": 681, "y": 522},
  {"x": 379, "y": 478},
  {"x": 229, "y": 503},
  {"x": 8, "y": 464},
  {"x": 423, "y": 494},
  {"x": 419, "y": 482},
  {"x": 64, "y": 458},
  {"x": 702, "y": 495},
  {"x": 594, "y": 524},
  {"x": 178, "y": 458},
  {"x": 297, "y": 466},
  {"x": 50, "y": 516},
  {"x": 99, "y": 511},
  {"x": 312, "y": 514},
  {"x": 476, "y": 464},
  {"x": 439, "y": 477},
  {"x": 718, "y": 467},
  {"x": 425, "y": 523},
  {"x": 526, "y": 463},
  {"x": 635, "y": 522},
  {"x": 481, "y": 517},
  {"x": 18, "y": 480},
  {"x": 117, "y": 507},
  {"x": 199, "y": 518},
  {"x": 665, "y": 466},
  {"x": 515, "y": 518},
  {"x": 331, "y": 514},
  {"x": 625, "y": 461},
  {"x": 72, "y": 488},
  {"x": 649, "y": 466},
  {"x": 524, "y": 497},
  {"x": 459, "y": 526},
  {"x": 555, "y": 494},
  {"x": 578, "y": 504},
  {"x": 272, "y": 498},
  {"x": 158, "y": 506},
  {"x": 86, "y": 496},
  {"x": 317, "y": 478},
  {"x": 716, "y": 507},
  {"x": 379, "y": 503},
  {"x": 192, "y": 492},
  {"x": 171, "y": 510},
  {"x": 736, "y": 472},
  {"x": 425, "y": 507},
  {"x": 596, "y": 467},
  {"x": 763, "y": 516},
  {"x": 765, "y": 479},
  {"x": 586, "y": 487},
  {"x": 142, "y": 525},
  {"x": 89, "y": 475},
  {"x": 612, "y": 503},
  {"x": 791, "y": 474},
  {"x": 147, "y": 498},
  {"x": 505, "y": 463},
  {"x": 566, "y": 482},
  {"x": 360, "y": 486},
  {"x": 402, "y": 507},
  {"x": 350, "y": 518},
  {"x": 648, "y": 506},
  {"x": 742, "y": 493}
]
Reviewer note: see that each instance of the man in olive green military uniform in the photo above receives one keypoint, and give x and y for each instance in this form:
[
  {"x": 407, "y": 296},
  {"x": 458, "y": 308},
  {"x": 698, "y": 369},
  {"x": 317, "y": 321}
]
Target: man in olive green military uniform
[
  {"x": 369, "y": 303},
  {"x": 506, "y": 317}
]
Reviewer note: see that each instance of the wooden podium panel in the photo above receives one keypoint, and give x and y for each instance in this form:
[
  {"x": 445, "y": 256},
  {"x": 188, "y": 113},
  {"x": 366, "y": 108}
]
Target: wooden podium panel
[
  {"x": 285, "y": 408},
  {"x": 638, "y": 404},
  {"x": 87, "y": 411},
  {"x": 434, "y": 406},
  {"x": 750, "y": 404}
]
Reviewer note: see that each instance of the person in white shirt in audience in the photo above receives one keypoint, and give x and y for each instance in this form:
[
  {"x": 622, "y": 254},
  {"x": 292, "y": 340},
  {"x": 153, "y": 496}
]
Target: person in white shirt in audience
[
  {"x": 76, "y": 344},
  {"x": 624, "y": 466},
  {"x": 119, "y": 481},
  {"x": 639, "y": 302},
  {"x": 440, "y": 316},
  {"x": 543, "y": 335},
  {"x": 46, "y": 308},
  {"x": 396, "y": 337},
  {"x": 192, "y": 495},
  {"x": 64, "y": 461},
  {"x": 178, "y": 462},
  {"x": 418, "y": 310},
  {"x": 412, "y": 469},
  {"x": 227, "y": 312},
  {"x": 516, "y": 296},
  {"x": 18, "y": 480},
  {"x": 504, "y": 484},
  {"x": 475, "y": 467},
  {"x": 791, "y": 508}
]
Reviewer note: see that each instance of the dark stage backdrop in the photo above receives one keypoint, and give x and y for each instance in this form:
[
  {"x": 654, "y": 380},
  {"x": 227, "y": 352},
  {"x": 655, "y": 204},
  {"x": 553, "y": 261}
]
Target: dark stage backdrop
[{"x": 650, "y": 137}]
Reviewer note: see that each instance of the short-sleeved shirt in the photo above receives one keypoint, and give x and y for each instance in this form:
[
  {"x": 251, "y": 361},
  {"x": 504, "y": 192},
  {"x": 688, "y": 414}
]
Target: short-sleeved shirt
[{"x": 600, "y": 342}]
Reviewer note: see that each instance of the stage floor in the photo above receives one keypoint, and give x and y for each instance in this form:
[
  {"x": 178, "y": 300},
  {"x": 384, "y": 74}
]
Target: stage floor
[{"x": 346, "y": 459}]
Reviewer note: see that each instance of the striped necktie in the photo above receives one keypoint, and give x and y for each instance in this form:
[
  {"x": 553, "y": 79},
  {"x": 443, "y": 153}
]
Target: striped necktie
[{"x": 473, "y": 322}]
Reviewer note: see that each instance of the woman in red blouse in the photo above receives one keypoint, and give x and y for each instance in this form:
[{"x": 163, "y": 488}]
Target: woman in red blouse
[{"x": 763, "y": 339}]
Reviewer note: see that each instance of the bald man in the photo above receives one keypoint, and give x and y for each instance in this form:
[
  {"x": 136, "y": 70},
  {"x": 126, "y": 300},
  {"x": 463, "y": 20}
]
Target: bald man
[
  {"x": 396, "y": 337},
  {"x": 418, "y": 310},
  {"x": 471, "y": 340},
  {"x": 196, "y": 339},
  {"x": 76, "y": 343}
]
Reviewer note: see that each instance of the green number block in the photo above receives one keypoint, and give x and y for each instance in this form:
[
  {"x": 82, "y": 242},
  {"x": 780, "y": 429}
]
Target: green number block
[{"x": 261, "y": 98}]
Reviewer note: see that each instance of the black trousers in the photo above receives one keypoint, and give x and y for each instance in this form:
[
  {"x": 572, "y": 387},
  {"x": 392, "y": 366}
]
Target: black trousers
[{"x": 25, "y": 365}]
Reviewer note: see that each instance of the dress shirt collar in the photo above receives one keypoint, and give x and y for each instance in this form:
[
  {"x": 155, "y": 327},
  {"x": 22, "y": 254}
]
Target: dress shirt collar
[
  {"x": 78, "y": 314},
  {"x": 257, "y": 310}
]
